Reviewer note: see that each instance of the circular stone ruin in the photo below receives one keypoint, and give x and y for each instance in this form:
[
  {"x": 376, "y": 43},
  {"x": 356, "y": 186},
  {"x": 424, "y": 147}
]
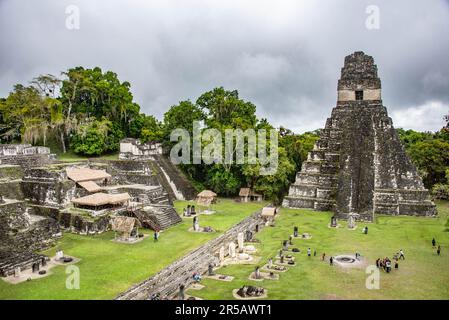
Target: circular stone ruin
[{"x": 347, "y": 261}]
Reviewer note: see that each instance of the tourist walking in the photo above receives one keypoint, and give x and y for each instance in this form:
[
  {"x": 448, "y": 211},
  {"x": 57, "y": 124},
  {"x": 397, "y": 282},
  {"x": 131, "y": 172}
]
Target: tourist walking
[
  {"x": 308, "y": 252},
  {"x": 396, "y": 265},
  {"x": 433, "y": 242},
  {"x": 439, "y": 250},
  {"x": 156, "y": 235},
  {"x": 331, "y": 261},
  {"x": 323, "y": 256},
  {"x": 401, "y": 255},
  {"x": 377, "y": 262}
]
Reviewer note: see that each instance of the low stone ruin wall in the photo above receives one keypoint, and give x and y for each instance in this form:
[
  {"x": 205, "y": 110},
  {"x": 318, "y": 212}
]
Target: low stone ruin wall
[
  {"x": 71, "y": 222},
  {"x": 47, "y": 186},
  {"x": 20, "y": 231},
  {"x": 168, "y": 281},
  {"x": 34, "y": 160}
]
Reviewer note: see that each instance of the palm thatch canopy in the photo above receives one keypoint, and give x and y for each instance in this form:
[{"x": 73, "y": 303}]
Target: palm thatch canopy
[
  {"x": 101, "y": 199},
  {"x": 90, "y": 186},
  {"x": 124, "y": 224},
  {"x": 206, "y": 197},
  {"x": 244, "y": 192},
  {"x": 79, "y": 174}
]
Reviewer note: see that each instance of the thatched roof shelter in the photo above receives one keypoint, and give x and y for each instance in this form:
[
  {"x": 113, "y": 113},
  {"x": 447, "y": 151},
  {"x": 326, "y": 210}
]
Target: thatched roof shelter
[
  {"x": 244, "y": 192},
  {"x": 90, "y": 186},
  {"x": 124, "y": 224},
  {"x": 126, "y": 227},
  {"x": 248, "y": 194},
  {"x": 80, "y": 174},
  {"x": 102, "y": 199},
  {"x": 206, "y": 197}
]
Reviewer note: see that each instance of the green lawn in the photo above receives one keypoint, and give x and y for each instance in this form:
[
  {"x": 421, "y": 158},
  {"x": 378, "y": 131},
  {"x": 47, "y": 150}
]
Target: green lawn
[
  {"x": 108, "y": 268},
  {"x": 70, "y": 156},
  {"x": 423, "y": 275}
]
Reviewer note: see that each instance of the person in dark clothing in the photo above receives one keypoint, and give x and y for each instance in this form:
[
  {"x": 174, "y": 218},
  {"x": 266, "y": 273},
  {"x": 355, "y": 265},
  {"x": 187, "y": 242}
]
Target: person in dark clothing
[
  {"x": 331, "y": 261},
  {"x": 439, "y": 250},
  {"x": 396, "y": 265},
  {"x": 377, "y": 262},
  {"x": 433, "y": 242}
]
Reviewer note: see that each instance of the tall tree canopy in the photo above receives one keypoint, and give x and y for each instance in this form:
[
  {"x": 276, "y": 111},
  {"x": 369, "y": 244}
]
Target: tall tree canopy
[{"x": 92, "y": 93}]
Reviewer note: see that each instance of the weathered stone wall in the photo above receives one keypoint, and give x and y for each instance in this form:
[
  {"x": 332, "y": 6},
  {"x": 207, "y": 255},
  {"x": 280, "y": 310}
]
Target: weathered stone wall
[
  {"x": 73, "y": 222},
  {"x": 34, "y": 160},
  {"x": 24, "y": 155},
  {"x": 11, "y": 189},
  {"x": 20, "y": 231},
  {"x": 133, "y": 149},
  {"x": 48, "y": 186}
]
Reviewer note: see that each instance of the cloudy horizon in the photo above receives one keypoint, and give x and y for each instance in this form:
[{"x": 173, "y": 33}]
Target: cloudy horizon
[{"x": 285, "y": 57}]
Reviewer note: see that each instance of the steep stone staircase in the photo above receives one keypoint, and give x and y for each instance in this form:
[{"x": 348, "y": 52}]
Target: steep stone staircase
[
  {"x": 157, "y": 216},
  {"x": 173, "y": 180}
]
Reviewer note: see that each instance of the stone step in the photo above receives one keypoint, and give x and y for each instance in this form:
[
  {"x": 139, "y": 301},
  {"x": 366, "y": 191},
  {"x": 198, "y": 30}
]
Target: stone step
[{"x": 321, "y": 180}]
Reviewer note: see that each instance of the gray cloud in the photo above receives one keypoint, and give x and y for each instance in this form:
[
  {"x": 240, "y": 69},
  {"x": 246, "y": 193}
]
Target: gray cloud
[{"x": 285, "y": 56}]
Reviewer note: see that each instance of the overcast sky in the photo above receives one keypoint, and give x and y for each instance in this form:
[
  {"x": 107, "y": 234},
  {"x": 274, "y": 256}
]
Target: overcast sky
[{"x": 284, "y": 56}]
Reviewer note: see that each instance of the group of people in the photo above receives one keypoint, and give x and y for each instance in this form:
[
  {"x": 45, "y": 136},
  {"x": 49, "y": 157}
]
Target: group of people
[
  {"x": 386, "y": 263},
  {"x": 189, "y": 211}
]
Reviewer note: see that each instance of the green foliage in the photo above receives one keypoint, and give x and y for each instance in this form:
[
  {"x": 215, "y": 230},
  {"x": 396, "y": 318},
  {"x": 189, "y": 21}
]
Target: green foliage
[
  {"x": 441, "y": 191},
  {"x": 24, "y": 112},
  {"x": 92, "y": 93},
  {"x": 151, "y": 130},
  {"x": 272, "y": 186},
  {"x": 181, "y": 116},
  {"x": 224, "y": 109},
  {"x": 222, "y": 181},
  {"x": 96, "y": 137},
  {"x": 297, "y": 146},
  {"x": 429, "y": 152},
  {"x": 221, "y": 110},
  {"x": 432, "y": 158}
]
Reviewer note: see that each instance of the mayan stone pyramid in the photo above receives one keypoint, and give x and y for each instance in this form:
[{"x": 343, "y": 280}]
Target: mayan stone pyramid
[{"x": 359, "y": 164}]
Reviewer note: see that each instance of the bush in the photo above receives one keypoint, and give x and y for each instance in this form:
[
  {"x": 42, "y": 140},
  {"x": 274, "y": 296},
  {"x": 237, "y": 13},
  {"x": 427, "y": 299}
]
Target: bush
[{"x": 441, "y": 191}]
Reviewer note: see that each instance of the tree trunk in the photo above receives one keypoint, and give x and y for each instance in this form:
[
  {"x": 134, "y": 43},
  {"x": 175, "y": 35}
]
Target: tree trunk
[{"x": 62, "y": 141}]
